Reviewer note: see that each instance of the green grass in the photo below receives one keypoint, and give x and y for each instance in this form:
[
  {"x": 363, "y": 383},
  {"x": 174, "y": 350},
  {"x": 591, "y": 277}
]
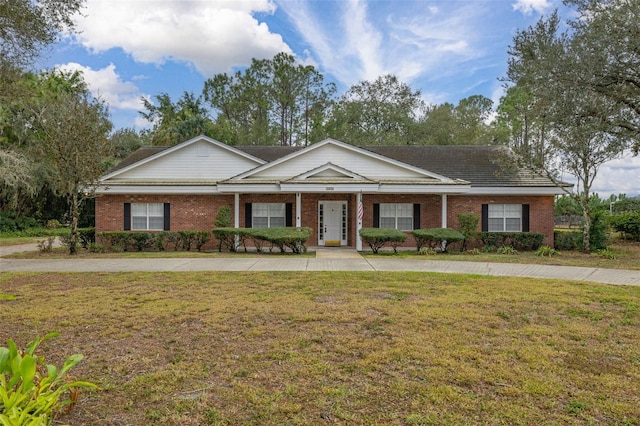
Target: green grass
[{"x": 336, "y": 348}]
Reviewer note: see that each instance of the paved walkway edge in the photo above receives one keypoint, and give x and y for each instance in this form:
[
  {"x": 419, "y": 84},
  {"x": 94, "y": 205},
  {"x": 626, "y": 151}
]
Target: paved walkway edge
[{"x": 370, "y": 263}]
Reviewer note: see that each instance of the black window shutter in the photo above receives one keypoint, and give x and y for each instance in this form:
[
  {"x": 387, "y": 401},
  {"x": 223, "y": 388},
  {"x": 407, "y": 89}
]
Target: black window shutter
[
  {"x": 416, "y": 216},
  {"x": 127, "y": 216},
  {"x": 288, "y": 209},
  {"x": 525, "y": 218},
  {"x": 485, "y": 218},
  {"x": 247, "y": 215},
  {"x": 376, "y": 215},
  {"x": 167, "y": 216}
]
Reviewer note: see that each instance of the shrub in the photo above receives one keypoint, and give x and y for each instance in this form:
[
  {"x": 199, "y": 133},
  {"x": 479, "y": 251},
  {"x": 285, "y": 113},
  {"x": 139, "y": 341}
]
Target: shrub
[
  {"x": 567, "y": 240},
  {"x": 517, "y": 240},
  {"x": 546, "y": 251},
  {"x": 53, "y": 224},
  {"x": 87, "y": 236},
  {"x": 201, "y": 238},
  {"x": 32, "y": 392},
  {"x": 472, "y": 252},
  {"x": 468, "y": 223},
  {"x": 140, "y": 240},
  {"x": 628, "y": 224},
  {"x": 226, "y": 238},
  {"x": 436, "y": 237},
  {"x": 427, "y": 251},
  {"x": 508, "y": 250},
  {"x": 46, "y": 245},
  {"x": 377, "y": 238},
  {"x": 598, "y": 231},
  {"x": 285, "y": 237},
  {"x": 223, "y": 218},
  {"x": 606, "y": 254}
]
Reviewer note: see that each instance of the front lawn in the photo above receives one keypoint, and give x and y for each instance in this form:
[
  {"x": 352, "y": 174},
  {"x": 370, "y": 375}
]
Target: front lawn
[{"x": 335, "y": 348}]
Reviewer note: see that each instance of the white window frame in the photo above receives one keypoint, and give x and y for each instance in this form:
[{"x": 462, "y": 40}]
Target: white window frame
[
  {"x": 274, "y": 213},
  {"x": 502, "y": 217},
  {"x": 151, "y": 214},
  {"x": 392, "y": 214}
]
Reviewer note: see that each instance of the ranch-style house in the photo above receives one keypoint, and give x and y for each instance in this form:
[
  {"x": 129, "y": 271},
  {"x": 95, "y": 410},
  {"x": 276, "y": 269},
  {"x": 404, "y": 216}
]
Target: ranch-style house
[{"x": 332, "y": 187}]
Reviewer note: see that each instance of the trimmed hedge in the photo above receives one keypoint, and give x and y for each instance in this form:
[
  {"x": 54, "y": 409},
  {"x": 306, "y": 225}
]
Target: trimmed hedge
[
  {"x": 436, "y": 237},
  {"x": 377, "y": 238},
  {"x": 142, "y": 240},
  {"x": 282, "y": 237},
  {"x": 517, "y": 240}
]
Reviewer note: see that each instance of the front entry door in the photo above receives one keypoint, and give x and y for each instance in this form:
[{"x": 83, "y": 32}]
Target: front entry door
[{"x": 332, "y": 226}]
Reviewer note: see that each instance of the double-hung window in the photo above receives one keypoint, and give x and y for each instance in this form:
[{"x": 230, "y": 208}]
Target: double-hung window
[
  {"x": 268, "y": 215},
  {"x": 147, "y": 216},
  {"x": 397, "y": 216},
  {"x": 505, "y": 217}
]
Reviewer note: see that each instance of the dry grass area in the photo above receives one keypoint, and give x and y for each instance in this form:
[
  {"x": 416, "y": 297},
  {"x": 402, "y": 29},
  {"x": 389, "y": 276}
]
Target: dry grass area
[{"x": 335, "y": 348}]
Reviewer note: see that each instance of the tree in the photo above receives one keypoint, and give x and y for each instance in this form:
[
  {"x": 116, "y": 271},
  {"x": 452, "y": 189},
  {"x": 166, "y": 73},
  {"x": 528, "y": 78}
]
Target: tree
[
  {"x": 572, "y": 122},
  {"x": 272, "y": 101},
  {"x": 606, "y": 34},
  {"x": 175, "y": 123},
  {"x": 71, "y": 129},
  {"x": 26, "y": 28},
  {"x": 382, "y": 112}
]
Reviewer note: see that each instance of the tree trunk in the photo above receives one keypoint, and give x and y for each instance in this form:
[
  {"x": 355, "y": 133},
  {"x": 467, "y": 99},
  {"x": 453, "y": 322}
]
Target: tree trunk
[{"x": 74, "y": 212}]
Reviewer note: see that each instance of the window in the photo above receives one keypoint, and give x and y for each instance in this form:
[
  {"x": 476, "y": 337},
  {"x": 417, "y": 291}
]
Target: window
[
  {"x": 397, "y": 216},
  {"x": 147, "y": 216},
  {"x": 505, "y": 217},
  {"x": 268, "y": 215}
]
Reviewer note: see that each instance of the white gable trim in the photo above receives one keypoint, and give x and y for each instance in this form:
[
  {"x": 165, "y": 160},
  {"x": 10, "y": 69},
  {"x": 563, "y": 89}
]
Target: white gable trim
[
  {"x": 179, "y": 146},
  {"x": 329, "y": 166},
  {"x": 354, "y": 149}
]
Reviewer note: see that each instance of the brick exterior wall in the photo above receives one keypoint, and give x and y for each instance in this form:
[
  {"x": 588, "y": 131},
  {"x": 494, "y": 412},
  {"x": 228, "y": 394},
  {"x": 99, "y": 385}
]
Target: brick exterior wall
[{"x": 198, "y": 212}]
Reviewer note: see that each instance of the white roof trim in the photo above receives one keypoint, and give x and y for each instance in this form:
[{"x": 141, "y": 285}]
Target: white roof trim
[
  {"x": 516, "y": 190},
  {"x": 178, "y": 147},
  {"x": 325, "y": 167},
  {"x": 158, "y": 189},
  {"x": 348, "y": 147}
]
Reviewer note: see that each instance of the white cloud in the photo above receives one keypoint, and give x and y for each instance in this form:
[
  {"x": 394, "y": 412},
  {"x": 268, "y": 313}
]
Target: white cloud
[
  {"x": 367, "y": 39},
  {"x": 107, "y": 85},
  {"x": 528, "y": 6},
  {"x": 212, "y": 36},
  {"x": 620, "y": 176}
]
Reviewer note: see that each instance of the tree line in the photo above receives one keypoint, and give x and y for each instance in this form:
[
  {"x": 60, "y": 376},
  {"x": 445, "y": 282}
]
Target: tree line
[{"x": 572, "y": 102}]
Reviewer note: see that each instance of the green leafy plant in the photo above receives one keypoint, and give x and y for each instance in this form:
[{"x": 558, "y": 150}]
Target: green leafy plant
[
  {"x": 32, "y": 392},
  {"x": 468, "y": 223},
  {"x": 547, "y": 251},
  {"x": 427, "y": 251},
  {"x": 606, "y": 254},
  {"x": 508, "y": 250},
  {"x": 472, "y": 252}
]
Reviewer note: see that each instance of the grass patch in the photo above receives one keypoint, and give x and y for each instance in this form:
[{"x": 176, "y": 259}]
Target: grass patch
[{"x": 334, "y": 347}]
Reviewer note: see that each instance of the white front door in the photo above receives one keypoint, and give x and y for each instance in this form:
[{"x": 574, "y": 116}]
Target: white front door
[{"x": 332, "y": 223}]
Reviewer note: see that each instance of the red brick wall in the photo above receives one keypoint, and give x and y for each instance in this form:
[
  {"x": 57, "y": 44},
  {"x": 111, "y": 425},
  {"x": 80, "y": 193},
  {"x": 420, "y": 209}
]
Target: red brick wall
[
  {"x": 198, "y": 212},
  {"x": 540, "y": 210}
]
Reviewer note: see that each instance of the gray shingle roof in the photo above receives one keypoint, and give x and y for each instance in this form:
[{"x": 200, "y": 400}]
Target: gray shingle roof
[{"x": 480, "y": 165}]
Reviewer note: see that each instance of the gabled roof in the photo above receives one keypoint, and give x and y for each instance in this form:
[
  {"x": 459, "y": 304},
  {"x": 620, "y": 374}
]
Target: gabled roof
[
  {"x": 482, "y": 166},
  {"x": 350, "y": 150},
  {"x": 147, "y": 154}
]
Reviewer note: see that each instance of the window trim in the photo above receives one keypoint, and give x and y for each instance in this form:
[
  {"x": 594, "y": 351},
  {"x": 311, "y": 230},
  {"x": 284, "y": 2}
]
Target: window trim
[
  {"x": 282, "y": 208},
  {"x": 410, "y": 208},
  {"x": 147, "y": 217},
  {"x": 504, "y": 217}
]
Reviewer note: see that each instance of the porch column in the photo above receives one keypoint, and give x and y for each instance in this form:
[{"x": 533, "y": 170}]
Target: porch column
[
  {"x": 444, "y": 210},
  {"x": 236, "y": 217},
  {"x": 359, "y": 213},
  {"x": 298, "y": 210}
]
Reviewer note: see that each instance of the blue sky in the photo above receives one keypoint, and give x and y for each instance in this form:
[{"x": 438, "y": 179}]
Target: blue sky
[{"x": 449, "y": 50}]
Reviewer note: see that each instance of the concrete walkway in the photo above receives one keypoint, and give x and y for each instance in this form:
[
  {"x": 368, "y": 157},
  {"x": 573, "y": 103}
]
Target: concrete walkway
[{"x": 325, "y": 260}]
